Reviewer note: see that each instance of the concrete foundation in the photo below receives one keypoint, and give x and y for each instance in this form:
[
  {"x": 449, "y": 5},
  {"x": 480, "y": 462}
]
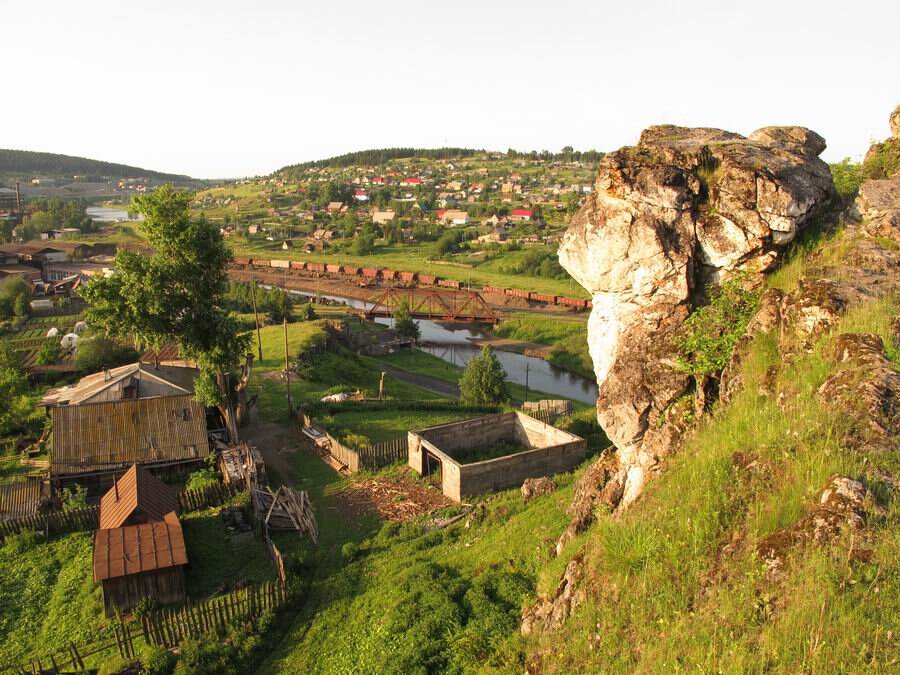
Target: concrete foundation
[{"x": 550, "y": 450}]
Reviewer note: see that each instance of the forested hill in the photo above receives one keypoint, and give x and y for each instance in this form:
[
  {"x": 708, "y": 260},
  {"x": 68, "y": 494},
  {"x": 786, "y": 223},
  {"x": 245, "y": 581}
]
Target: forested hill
[
  {"x": 384, "y": 155},
  {"x": 51, "y": 164}
]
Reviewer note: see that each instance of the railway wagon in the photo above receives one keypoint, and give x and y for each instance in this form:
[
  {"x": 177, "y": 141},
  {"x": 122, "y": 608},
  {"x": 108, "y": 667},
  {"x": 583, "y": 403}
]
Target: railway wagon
[
  {"x": 450, "y": 283},
  {"x": 333, "y": 269},
  {"x": 408, "y": 276},
  {"x": 542, "y": 297},
  {"x": 492, "y": 289},
  {"x": 298, "y": 265},
  {"x": 515, "y": 293},
  {"x": 389, "y": 275},
  {"x": 315, "y": 267},
  {"x": 351, "y": 270},
  {"x": 370, "y": 272},
  {"x": 428, "y": 280},
  {"x": 256, "y": 262},
  {"x": 281, "y": 264},
  {"x": 571, "y": 302},
  {"x": 242, "y": 262}
]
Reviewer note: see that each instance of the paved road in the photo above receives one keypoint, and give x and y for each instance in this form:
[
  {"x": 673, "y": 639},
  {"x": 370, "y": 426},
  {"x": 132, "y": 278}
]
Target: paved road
[{"x": 440, "y": 387}]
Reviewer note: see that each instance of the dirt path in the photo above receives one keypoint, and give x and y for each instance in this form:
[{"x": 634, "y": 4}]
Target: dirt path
[
  {"x": 440, "y": 387},
  {"x": 275, "y": 441}
]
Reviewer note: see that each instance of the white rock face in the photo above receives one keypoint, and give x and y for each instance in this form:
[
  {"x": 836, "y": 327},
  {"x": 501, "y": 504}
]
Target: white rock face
[{"x": 684, "y": 208}]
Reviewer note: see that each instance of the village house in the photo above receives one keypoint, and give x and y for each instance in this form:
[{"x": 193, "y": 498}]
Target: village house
[
  {"x": 34, "y": 253},
  {"x": 361, "y": 196},
  {"x": 253, "y": 229},
  {"x": 411, "y": 181},
  {"x": 382, "y": 217},
  {"x": 92, "y": 439},
  {"x": 497, "y": 235},
  {"x": 132, "y": 381},
  {"x": 139, "y": 550},
  {"x": 325, "y": 235},
  {"x": 453, "y": 217},
  {"x": 334, "y": 207},
  {"x": 523, "y": 215},
  {"x": 58, "y": 271}
]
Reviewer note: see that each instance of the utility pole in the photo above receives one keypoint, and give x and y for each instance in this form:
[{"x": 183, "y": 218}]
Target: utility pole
[
  {"x": 256, "y": 316},
  {"x": 287, "y": 372}
]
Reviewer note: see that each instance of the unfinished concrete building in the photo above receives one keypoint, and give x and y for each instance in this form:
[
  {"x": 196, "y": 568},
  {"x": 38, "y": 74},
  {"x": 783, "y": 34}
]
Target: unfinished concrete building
[{"x": 468, "y": 454}]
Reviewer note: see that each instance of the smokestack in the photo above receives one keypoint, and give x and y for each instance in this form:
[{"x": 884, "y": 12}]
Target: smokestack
[{"x": 116, "y": 486}]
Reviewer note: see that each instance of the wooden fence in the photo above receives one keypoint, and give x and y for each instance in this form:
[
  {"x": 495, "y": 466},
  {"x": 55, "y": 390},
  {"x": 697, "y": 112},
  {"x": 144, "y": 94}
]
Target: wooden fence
[
  {"x": 169, "y": 627},
  {"x": 368, "y": 457},
  {"x": 60, "y": 522}
]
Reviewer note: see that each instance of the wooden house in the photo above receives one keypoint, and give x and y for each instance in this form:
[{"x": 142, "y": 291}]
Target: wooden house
[
  {"x": 132, "y": 381},
  {"x": 139, "y": 550},
  {"x": 98, "y": 438}
]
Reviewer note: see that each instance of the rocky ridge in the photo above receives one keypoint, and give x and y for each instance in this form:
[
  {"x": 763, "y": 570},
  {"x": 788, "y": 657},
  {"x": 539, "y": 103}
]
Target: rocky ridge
[{"x": 682, "y": 209}]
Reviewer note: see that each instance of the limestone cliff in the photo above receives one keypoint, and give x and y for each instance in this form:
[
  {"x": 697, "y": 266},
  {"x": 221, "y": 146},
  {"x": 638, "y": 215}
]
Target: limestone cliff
[{"x": 683, "y": 208}]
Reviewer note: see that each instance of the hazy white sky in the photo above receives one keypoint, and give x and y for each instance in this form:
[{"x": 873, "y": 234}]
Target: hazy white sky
[{"x": 221, "y": 88}]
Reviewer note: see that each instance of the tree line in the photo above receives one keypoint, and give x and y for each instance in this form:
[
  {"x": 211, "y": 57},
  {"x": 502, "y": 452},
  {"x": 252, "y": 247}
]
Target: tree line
[{"x": 27, "y": 162}]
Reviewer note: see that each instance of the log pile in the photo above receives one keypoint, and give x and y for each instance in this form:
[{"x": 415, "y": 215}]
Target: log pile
[{"x": 286, "y": 509}]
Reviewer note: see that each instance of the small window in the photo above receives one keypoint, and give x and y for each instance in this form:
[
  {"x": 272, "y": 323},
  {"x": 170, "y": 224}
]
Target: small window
[{"x": 186, "y": 414}]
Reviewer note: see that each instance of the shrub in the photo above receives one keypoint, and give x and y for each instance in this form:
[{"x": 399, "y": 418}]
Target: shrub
[
  {"x": 101, "y": 352},
  {"x": 847, "y": 176},
  {"x": 47, "y": 354},
  {"x": 403, "y": 322},
  {"x": 710, "y": 333},
  {"x": 157, "y": 661},
  {"x": 74, "y": 498}
]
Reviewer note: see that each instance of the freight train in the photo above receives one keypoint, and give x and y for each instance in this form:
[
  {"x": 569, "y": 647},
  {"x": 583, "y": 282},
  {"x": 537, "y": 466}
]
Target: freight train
[{"x": 408, "y": 278}]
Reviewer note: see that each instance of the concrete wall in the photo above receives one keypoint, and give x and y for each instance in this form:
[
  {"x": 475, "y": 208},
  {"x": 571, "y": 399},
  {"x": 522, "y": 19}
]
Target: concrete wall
[{"x": 553, "y": 451}]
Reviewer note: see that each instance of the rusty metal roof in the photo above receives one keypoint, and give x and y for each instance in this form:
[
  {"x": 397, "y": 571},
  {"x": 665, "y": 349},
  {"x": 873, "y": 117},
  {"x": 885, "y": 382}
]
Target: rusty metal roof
[
  {"x": 121, "y": 551},
  {"x": 165, "y": 380},
  {"x": 19, "y": 498},
  {"x": 137, "y": 490},
  {"x": 102, "y": 436}
]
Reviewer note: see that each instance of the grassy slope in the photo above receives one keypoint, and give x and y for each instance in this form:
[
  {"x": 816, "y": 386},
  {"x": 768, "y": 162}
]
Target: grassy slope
[
  {"x": 669, "y": 594},
  {"x": 665, "y": 594}
]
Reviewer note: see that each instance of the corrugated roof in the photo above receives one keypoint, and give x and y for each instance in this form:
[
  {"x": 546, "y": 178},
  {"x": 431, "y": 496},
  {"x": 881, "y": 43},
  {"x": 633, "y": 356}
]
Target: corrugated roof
[
  {"x": 19, "y": 498},
  {"x": 175, "y": 379},
  {"x": 137, "y": 489},
  {"x": 99, "y": 436},
  {"x": 133, "y": 549}
]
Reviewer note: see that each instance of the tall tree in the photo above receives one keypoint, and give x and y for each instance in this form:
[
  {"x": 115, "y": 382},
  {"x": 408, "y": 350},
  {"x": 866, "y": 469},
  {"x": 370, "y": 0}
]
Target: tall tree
[
  {"x": 176, "y": 294},
  {"x": 483, "y": 382}
]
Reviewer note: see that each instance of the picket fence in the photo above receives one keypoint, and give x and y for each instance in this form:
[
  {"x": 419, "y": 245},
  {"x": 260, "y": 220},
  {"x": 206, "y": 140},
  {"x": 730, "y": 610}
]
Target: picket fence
[
  {"x": 168, "y": 628},
  {"x": 88, "y": 518}
]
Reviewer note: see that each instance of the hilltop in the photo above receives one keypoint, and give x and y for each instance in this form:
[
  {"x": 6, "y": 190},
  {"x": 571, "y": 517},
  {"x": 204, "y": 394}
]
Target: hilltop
[{"x": 26, "y": 164}]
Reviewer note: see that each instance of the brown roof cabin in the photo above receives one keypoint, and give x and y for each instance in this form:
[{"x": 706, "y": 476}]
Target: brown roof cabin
[
  {"x": 97, "y": 438},
  {"x": 139, "y": 550}
]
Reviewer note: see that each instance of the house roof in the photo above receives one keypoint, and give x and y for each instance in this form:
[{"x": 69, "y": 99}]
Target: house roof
[
  {"x": 19, "y": 498},
  {"x": 137, "y": 489},
  {"x": 165, "y": 380},
  {"x": 521, "y": 212},
  {"x": 122, "y": 551},
  {"x": 103, "y": 436}
]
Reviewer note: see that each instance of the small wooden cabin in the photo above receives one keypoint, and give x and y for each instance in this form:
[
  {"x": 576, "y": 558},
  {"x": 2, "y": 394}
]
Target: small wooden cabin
[{"x": 139, "y": 550}]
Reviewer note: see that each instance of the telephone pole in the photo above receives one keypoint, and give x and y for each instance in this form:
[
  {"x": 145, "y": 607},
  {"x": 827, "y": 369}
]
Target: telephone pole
[
  {"x": 256, "y": 316},
  {"x": 287, "y": 372}
]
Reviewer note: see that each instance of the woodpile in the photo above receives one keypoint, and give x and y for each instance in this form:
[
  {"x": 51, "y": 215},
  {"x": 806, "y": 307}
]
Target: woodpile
[{"x": 286, "y": 509}]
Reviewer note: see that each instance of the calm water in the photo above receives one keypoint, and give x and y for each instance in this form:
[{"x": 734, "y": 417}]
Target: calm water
[
  {"x": 454, "y": 345},
  {"x": 107, "y": 214}
]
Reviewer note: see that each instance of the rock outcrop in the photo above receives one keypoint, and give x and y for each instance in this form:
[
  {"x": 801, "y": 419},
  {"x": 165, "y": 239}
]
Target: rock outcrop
[
  {"x": 682, "y": 209},
  {"x": 878, "y": 202},
  {"x": 537, "y": 487}
]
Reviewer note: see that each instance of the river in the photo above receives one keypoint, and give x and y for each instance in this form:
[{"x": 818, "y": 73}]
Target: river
[
  {"x": 108, "y": 214},
  {"x": 454, "y": 345}
]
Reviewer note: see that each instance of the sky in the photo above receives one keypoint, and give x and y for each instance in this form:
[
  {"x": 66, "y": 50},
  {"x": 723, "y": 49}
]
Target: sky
[{"x": 227, "y": 89}]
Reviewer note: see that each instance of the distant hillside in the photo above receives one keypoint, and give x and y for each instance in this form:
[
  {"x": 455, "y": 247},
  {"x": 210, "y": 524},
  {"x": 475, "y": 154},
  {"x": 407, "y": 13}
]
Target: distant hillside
[
  {"x": 51, "y": 164},
  {"x": 384, "y": 155}
]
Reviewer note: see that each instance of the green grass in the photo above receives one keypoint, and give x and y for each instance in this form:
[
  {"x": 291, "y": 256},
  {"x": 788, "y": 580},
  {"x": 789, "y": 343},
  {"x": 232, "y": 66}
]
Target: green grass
[
  {"x": 679, "y": 606},
  {"x": 47, "y": 597},
  {"x": 374, "y": 427},
  {"x": 218, "y": 563}
]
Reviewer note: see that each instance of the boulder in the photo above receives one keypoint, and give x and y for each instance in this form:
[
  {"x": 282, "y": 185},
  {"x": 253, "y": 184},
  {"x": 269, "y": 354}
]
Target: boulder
[
  {"x": 684, "y": 208},
  {"x": 536, "y": 487},
  {"x": 878, "y": 203},
  {"x": 549, "y": 613}
]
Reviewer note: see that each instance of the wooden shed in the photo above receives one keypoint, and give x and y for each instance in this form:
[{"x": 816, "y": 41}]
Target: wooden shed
[
  {"x": 139, "y": 561},
  {"x": 139, "y": 550}
]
